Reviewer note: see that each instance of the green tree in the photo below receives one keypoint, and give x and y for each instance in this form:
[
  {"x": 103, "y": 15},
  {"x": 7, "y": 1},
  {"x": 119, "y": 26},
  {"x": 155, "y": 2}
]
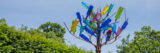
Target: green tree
[
  {"x": 53, "y": 27},
  {"x": 2, "y": 21},
  {"x": 145, "y": 41},
  {"x": 23, "y": 28},
  {"x": 17, "y": 41}
]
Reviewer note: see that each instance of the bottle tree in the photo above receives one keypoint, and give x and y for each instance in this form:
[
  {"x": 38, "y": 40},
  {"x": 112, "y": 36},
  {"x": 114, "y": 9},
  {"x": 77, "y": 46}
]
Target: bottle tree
[{"x": 98, "y": 25}]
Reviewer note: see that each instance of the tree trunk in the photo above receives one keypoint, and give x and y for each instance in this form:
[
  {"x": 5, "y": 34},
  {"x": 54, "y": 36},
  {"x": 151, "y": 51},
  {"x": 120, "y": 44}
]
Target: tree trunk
[{"x": 98, "y": 49}]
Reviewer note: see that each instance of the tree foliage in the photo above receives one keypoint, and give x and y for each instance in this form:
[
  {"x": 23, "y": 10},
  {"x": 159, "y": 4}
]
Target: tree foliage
[
  {"x": 32, "y": 41},
  {"x": 54, "y": 27},
  {"x": 145, "y": 41},
  {"x": 2, "y": 21}
]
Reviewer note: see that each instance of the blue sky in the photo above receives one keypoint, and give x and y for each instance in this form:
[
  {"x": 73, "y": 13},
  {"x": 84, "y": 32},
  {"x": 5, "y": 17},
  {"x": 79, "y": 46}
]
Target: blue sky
[{"x": 33, "y": 13}]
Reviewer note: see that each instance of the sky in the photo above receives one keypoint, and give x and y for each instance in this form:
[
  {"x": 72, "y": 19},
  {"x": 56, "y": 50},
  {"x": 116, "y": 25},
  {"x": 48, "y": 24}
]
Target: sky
[{"x": 33, "y": 13}]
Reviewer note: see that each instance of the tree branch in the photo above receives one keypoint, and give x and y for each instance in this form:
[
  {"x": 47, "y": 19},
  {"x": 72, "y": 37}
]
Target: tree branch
[
  {"x": 111, "y": 15},
  {"x": 110, "y": 40},
  {"x": 106, "y": 34},
  {"x": 89, "y": 36},
  {"x": 78, "y": 37}
]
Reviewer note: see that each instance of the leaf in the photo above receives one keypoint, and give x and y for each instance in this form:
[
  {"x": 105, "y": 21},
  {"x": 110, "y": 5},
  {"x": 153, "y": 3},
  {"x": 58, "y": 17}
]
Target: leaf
[
  {"x": 119, "y": 13},
  {"x": 144, "y": 40}
]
